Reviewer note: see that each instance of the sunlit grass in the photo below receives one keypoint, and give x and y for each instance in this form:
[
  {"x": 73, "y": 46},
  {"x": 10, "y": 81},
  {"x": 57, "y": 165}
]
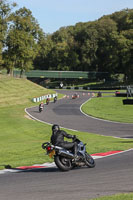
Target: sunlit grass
[
  {"x": 15, "y": 91},
  {"x": 109, "y": 108},
  {"x": 124, "y": 196}
]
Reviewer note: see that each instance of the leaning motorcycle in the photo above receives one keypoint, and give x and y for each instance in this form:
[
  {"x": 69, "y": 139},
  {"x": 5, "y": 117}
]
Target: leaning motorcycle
[
  {"x": 55, "y": 99},
  {"x": 47, "y": 101},
  {"x": 40, "y": 108},
  {"x": 65, "y": 159}
]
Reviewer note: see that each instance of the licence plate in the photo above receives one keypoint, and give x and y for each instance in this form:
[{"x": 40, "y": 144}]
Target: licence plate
[{"x": 52, "y": 153}]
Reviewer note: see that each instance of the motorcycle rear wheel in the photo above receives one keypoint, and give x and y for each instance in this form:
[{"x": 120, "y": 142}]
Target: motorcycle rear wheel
[
  {"x": 63, "y": 163},
  {"x": 89, "y": 161}
]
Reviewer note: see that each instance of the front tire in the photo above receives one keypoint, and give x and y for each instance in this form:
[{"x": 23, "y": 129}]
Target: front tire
[
  {"x": 63, "y": 163},
  {"x": 89, "y": 161}
]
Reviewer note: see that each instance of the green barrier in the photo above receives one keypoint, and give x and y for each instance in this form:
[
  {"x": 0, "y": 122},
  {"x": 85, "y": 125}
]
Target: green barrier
[{"x": 59, "y": 74}]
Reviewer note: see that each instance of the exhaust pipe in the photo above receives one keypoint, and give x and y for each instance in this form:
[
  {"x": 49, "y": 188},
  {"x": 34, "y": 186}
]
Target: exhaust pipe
[{"x": 66, "y": 154}]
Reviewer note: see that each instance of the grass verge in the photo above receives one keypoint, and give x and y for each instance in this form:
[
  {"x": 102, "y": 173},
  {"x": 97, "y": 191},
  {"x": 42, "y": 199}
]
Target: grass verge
[
  {"x": 117, "y": 197},
  {"x": 109, "y": 108}
]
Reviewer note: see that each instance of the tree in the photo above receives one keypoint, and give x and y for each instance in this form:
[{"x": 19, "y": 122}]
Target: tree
[
  {"x": 107, "y": 60},
  {"x": 124, "y": 19},
  {"x": 5, "y": 10},
  {"x": 42, "y": 59},
  {"x": 125, "y": 52},
  {"x": 89, "y": 48},
  {"x": 22, "y": 40}
]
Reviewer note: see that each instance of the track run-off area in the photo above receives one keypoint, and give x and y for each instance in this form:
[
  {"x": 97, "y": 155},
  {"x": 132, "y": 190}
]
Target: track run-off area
[{"x": 113, "y": 172}]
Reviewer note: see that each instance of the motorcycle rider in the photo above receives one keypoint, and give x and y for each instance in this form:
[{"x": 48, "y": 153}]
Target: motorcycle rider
[
  {"x": 55, "y": 99},
  {"x": 41, "y": 105},
  {"x": 57, "y": 139},
  {"x": 47, "y": 100}
]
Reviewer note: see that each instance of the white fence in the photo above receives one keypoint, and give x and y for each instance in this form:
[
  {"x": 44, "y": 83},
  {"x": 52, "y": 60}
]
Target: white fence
[{"x": 42, "y": 98}]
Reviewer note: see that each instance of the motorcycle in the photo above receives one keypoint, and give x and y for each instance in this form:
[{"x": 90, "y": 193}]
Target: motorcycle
[
  {"x": 65, "y": 159},
  {"x": 55, "y": 99},
  {"x": 40, "y": 108},
  {"x": 74, "y": 96},
  {"x": 47, "y": 101}
]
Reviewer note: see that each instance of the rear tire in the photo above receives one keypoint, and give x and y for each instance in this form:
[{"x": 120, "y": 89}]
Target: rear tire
[
  {"x": 89, "y": 161},
  {"x": 63, "y": 163}
]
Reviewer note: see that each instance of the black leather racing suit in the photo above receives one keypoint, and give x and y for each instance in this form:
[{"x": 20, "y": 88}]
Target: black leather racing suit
[{"x": 57, "y": 138}]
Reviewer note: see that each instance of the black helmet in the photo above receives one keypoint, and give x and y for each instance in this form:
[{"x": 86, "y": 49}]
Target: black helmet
[{"x": 55, "y": 127}]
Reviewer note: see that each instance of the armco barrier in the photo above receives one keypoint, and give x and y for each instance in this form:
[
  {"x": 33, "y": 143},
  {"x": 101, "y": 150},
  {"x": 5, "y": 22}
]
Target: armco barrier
[
  {"x": 89, "y": 88},
  {"x": 74, "y": 88},
  {"x": 38, "y": 99}
]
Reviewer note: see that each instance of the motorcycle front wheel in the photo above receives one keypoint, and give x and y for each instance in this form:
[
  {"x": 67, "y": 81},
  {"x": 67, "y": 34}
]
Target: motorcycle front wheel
[
  {"x": 89, "y": 161},
  {"x": 64, "y": 164}
]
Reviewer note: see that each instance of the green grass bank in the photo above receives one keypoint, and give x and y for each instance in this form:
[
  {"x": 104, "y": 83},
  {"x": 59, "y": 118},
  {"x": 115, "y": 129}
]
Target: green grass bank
[
  {"x": 21, "y": 137},
  {"x": 109, "y": 108}
]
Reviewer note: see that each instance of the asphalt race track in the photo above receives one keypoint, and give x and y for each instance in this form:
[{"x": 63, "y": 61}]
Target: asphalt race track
[
  {"x": 66, "y": 113},
  {"x": 110, "y": 176},
  {"x": 113, "y": 174}
]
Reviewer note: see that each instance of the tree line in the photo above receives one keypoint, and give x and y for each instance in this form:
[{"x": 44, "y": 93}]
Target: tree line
[{"x": 103, "y": 45}]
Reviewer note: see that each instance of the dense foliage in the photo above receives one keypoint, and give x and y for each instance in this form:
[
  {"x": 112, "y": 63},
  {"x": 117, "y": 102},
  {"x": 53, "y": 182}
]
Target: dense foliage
[{"x": 104, "y": 45}]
